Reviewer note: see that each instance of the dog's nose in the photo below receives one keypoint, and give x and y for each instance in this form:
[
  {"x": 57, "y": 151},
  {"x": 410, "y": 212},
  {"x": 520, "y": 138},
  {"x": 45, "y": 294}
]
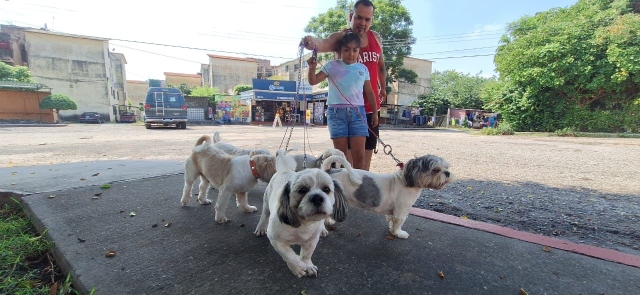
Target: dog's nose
[
  {"x": 317, "y": 200},
  {"x": 446, "y": 173}
]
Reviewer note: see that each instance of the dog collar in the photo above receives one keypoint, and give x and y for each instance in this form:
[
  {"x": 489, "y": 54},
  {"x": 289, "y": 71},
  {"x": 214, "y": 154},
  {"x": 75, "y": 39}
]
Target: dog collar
[
  {"x": 254, "y": 171},
  {"x": 400, "y": 165}
]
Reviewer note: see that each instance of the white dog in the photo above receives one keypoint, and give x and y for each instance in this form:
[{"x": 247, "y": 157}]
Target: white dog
[
  {"x": 299, "y": 201},
  {"x": 395, "y": 193},
  {"x": 234, "y": 150},
  {"x": 228, "y": 173},
  {"x": 315, "y": 162}
]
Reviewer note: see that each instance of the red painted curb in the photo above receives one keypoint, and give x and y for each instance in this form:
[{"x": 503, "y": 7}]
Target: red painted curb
[{"x": 592, "y": 251}]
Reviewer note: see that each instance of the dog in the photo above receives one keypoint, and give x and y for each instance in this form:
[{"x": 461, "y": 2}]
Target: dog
[
  {"x": 392, "y": 194},
  {"x": 228, "y": 173},
  {"x": 315, "y": 162},
  {"x": 299, "y": 201},
  {"x": 234, "y": 150}
]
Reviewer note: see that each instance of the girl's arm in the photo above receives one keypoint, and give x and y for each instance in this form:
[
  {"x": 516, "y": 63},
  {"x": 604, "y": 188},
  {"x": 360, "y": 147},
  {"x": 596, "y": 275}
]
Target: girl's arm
[
  {"x": 368, "y": 90},
  {"x": 312, "y": 76}
]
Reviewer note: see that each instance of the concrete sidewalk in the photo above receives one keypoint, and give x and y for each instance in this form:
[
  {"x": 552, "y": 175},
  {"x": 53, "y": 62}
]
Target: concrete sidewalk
[{"x": 169, "y": 249}]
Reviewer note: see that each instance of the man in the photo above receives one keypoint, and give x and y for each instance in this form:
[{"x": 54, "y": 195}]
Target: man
[{"x": 370, "y": 56}]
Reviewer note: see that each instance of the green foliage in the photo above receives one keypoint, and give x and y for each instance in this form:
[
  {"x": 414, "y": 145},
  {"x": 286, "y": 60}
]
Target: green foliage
[
  {"x": 391, "y": 20},
  {"x": 567, "y": 132},
  {"x": 566, "y": 65},
  {"x": 155, "y": 83},
  {"x": 454, "y": 89},
  {"x": 58, "y": 102},
  {"x": 503, "y": 128},
  {"x": 241, "y": 88},
  {"x": 204, "y": 91},
  {"x": 16, "y": 74},
  {"x": 183, "y": 87}
]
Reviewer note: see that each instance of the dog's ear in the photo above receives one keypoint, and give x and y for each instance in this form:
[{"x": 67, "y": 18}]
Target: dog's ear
[
  {"x": 340, "y": 206},
  {"x": 286, "y": 214},
  {"x": 412, "y": 170}
]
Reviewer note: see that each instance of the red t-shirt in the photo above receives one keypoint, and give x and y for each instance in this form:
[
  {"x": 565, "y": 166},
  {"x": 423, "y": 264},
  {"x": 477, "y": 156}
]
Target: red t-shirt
[{"x": 369, "y": 56}]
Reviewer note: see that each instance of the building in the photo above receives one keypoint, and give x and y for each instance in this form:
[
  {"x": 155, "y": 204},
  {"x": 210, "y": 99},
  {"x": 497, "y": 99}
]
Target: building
[
  {"x": 226, "y": 72},
  {"x": 137, "y": 91},
  {"x": 176, "y": 79},
  {"x": 80, "y": 67},
  {"x": 403, "y": 93}
]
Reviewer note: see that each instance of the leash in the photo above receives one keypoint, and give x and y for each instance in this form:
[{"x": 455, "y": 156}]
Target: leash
[{"x": 388, "y": 152}]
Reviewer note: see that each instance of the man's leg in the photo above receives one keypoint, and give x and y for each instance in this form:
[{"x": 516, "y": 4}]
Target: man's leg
[{"x": 371, "y": 142}]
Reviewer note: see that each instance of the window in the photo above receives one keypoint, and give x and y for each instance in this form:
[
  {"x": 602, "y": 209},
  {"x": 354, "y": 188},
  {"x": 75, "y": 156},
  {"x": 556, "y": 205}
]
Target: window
[{"x": 286, "y": 68}]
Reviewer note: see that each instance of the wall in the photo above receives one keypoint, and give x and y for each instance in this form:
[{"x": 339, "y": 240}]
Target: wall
[
  {"x": 175, "y": 79},
  {"x": 238, "y": 111},
  {"x": 72, "y": 66},
  {"x": 227, "y": 72},
  {"x": 137, "y": 91},
  {"x": 405, "y": 93},
  {"x": 24, "y": 105}
]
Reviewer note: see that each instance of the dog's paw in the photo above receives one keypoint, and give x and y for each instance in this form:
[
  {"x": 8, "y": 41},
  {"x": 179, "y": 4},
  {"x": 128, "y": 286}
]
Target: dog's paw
[
  {"x": 204, "y": 201},
  {"x": 185, "y": 201},
  {"x": 324, "y": 232},
  {"x": 298, "y": 268},
  {"x": 222, "y": 219},
  {"x": 260, "y": 232},
  {"x": 329, "y": 221},
  {"x": 249, "y": 209},
  {"x": 401, "y": 234},
  {"x": 311, "y": 270}
]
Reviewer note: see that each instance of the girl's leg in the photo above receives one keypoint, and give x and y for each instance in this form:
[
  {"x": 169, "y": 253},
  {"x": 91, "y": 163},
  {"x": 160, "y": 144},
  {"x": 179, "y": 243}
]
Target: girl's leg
[
  {"x": 357, "y": 151},
  {"x": 341, "y": 144}
]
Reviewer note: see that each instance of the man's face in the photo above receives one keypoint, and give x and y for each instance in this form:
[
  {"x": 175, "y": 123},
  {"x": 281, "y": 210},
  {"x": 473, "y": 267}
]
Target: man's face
[{"x": 361, "y": 19}]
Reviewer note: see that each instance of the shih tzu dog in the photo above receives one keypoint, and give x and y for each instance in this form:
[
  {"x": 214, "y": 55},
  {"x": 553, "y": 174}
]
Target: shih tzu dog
[
  {"x": 392, "y": 194},
  {"x": 299, "y": 201},
  {"x": 229, "y": 174},
  {"x": 315, "y": 162},
  {"x": 234, "y": 150}
]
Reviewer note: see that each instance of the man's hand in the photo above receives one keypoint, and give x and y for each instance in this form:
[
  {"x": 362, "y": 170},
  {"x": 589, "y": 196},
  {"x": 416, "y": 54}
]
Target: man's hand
[
  {"x": 308, "y": 42},
  {"x": 383, "y": 94},
  {"x": 374, "y": 119}
]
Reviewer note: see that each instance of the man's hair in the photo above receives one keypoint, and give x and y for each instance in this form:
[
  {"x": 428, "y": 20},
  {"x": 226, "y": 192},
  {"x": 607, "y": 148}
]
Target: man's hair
[
  {"x": 347, "y": 38},
  {"x": 366, "y": 3}
]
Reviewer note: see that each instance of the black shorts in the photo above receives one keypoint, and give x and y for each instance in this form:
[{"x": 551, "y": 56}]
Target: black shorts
[{"x": 372, "y": 141}]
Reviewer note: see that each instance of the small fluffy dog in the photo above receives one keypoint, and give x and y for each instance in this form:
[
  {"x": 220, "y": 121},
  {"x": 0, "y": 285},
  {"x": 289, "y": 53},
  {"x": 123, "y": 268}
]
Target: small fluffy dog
[
  {"x": 228, "y": 173},
  {"x": 234, "y": 150},
  {"x": 299, "y": 201},
  {"x": 391, "y": 194},
  {"x": 315, "y": 162}
]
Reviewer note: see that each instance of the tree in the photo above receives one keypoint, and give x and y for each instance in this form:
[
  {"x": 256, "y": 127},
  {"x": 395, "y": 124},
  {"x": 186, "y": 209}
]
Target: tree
[
  {"x": 58, "y": 102},
  {"x": 453, "y": 89},
  {"x": 183, "y": 87},
  {"x": 16, "y": 74},
  {"x": 392, "y": 21},
  {"x": 564, "y": 62},
  {"x": 208, "y": 92},
  {"x": 241, "y": 88}
]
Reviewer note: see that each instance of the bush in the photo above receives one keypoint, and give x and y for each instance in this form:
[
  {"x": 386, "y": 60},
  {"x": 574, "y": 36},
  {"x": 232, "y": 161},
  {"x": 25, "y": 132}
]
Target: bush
[
  {"x": 503, "y": 128},
  {"x": 568, "y": 132}
]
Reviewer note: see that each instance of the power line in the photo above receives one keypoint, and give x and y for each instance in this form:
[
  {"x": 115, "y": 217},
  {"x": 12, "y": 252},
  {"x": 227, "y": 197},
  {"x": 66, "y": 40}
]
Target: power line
[{"x": 464, "y": 56}]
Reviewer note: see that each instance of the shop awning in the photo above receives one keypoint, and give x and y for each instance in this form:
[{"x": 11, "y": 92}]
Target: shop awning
[{"x": 281, "y": 95}]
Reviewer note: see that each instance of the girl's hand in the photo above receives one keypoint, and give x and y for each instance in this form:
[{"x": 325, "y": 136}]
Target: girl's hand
[{"x": 312, "y": 62}]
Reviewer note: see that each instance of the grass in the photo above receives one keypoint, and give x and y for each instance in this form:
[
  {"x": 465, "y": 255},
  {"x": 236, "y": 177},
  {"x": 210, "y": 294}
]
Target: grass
[{"x": 26, "y": 263}]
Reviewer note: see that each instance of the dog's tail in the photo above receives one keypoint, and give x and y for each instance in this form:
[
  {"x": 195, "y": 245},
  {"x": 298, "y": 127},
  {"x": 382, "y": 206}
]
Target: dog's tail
[
  {"x": 206, "y": 139},
  {"x": 326, "y": 166},
  {"x": 284, "y": 162},
  {"x": 216, "y": 137}
]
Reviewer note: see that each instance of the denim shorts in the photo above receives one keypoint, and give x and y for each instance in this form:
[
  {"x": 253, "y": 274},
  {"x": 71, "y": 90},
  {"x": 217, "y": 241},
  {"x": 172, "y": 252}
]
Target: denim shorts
[{"x": 345, "y": 122}]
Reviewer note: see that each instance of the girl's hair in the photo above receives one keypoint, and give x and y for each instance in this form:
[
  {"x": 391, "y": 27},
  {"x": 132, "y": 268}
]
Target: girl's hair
[{"x": 347, "y": 38}]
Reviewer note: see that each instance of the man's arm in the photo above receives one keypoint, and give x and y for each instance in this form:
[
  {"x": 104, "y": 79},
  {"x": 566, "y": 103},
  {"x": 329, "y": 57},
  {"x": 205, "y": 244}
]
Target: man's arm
[
  {"x": 382, "y": 69},
  {"x": 368, "y": 90},
  {"x": 323, "y": 45}
]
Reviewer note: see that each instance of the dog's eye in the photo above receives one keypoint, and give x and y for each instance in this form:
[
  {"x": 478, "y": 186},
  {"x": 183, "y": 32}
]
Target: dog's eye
[
  {"x": 303, "y": 190},
  {"x": 435, "y": 171},
  {"x": 326, "y": 189}
]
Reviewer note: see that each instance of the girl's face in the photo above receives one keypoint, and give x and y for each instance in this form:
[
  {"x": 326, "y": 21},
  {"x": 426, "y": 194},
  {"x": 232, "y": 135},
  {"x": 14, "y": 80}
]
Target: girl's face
[{"x": 349, "y": 53}]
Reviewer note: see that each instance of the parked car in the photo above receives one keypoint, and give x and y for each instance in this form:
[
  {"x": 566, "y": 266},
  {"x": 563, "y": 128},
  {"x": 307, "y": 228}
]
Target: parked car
[
  {"x": 165, "y": 107},
  {"x": 90, "y": 117},
  {"x": 127, "y": 117}
]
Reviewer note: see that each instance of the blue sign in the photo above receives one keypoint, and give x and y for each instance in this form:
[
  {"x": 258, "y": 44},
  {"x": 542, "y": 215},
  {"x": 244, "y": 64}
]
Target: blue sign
[
  {"x": 281, "y": 96},
  {"x": 274, "y": 85},
  {"x": 321, "y": 95}
]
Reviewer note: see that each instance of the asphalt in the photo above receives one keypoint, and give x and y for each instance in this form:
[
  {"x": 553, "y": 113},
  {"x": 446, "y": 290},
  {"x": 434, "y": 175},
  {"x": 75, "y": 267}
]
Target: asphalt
[{"x": 164, "y": 248}]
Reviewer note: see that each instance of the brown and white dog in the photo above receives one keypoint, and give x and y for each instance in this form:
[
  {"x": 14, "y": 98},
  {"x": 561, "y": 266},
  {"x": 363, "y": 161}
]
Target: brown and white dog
[
  {"x": 230, "y": 174},
  {"x": 295, "y": 206},
  {"x": 392, "y": 194},
  {"x": 315, "y": 162},
  {"x": 234, "y": 150}
]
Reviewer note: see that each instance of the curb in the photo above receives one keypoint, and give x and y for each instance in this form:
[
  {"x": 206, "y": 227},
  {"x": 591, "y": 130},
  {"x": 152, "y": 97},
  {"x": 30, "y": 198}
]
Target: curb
[{"x": 587, "y": 250}]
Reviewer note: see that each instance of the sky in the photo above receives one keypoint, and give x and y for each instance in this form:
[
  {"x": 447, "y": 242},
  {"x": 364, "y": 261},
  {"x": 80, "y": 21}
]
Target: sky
[{"x": 456, "y": 35}]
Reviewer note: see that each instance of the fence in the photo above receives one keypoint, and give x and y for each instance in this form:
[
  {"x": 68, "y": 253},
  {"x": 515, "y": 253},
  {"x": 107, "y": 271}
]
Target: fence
[{"x": 24, "y": 105}]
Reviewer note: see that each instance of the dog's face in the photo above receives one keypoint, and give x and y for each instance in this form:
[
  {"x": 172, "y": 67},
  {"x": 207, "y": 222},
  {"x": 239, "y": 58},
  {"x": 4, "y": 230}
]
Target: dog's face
[
  {"x": 427, "y": 172},
  {"x": 311, "y": 195}
]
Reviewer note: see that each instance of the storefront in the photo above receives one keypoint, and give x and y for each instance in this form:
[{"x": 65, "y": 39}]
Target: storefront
[
  {"x": 237, "y": 108},
  {"x": 268, "y": 96}
]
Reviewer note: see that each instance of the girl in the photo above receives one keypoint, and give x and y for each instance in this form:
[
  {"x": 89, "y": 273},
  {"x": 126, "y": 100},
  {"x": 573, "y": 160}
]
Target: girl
[{"x": 347, "y": 81}]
